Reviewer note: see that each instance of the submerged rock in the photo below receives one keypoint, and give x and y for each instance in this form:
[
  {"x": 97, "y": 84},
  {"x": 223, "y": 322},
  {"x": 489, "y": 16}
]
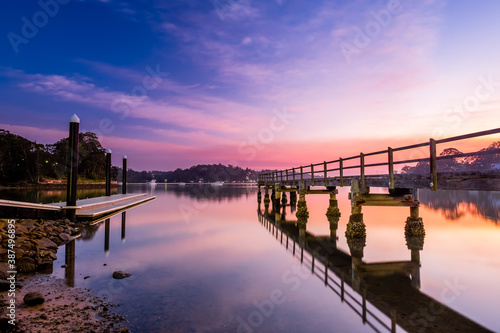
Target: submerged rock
[
  {"x": 33, "y": 298},
  {"x": 120, "y": 275}
]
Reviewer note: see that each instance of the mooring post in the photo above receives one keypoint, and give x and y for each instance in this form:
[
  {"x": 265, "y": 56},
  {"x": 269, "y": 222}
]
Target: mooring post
[
  {"x": 74, "y": 126},
  {"x": 124, "y": 175},
  {"x": 108, "y": 172}
]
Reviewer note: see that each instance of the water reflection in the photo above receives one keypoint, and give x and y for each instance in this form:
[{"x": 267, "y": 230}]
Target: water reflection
[
  {"x": 391, "y": 287},
  {"x": 457, "y": 204},
  {"x": 124, "y": 217},
  {"x": 106, "y": 236},
  {"x": 69, "y": 261},
  {"x": 49, "y": 196},
  {"x": 204, "y": 273}
]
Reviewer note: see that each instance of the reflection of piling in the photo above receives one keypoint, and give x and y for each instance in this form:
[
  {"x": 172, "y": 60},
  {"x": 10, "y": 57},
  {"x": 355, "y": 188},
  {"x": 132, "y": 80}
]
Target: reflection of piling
[
  {"x": 108, "y": 172},
  {"x": 414, "y": 235},
  {"x": 259, "y": 196},
  {"x": 334, "y": 225},
  {"x": 72, "y": 166},
  {"x": 277, "y": 197},
  {"x": 123, "y": 225},
  {"x": 284, "y": 199},
  {"x": 106, "y": 236},
  {"x": 69, "y": 261},
  {"x": 124, "y": 175},
  {"x": 266, "y": 197}
]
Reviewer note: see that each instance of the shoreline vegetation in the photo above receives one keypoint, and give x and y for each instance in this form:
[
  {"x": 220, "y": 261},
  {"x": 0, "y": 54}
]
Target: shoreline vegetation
[
  {"x": 27, "y": 164},
  {"x": 36, "y": 245}
]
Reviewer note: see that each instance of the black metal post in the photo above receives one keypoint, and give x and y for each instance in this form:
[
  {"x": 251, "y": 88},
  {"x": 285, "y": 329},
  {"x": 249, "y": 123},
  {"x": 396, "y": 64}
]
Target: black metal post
[
  {"x": 124, "y": 175},
  {"x": 72, "y": 166},
  {"x": 108, "y": 172}
]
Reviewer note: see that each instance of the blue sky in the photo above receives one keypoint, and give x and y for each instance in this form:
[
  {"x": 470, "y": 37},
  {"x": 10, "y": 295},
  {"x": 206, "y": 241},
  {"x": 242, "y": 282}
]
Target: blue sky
[{"x": 253, "y": 83}]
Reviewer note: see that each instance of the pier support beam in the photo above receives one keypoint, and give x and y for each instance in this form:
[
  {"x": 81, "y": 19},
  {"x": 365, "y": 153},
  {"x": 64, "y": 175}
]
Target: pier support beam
[
  {"x": 333, "y": 208},
  {"x": 259, "y": 196},
  {"x": 302, "y": 211}
]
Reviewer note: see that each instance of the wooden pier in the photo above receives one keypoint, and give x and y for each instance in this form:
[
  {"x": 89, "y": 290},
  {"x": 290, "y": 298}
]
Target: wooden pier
[
  {"x": 86, "y": 209},
  {"x": 437, "y": 175}
]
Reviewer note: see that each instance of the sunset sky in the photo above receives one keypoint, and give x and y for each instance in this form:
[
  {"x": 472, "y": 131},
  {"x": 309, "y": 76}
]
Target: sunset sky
[{"x": 257, "y": 84}]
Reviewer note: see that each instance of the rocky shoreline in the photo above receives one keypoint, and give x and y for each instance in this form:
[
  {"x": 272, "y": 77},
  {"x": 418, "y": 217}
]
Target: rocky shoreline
[{"x": 59, "y": 307}]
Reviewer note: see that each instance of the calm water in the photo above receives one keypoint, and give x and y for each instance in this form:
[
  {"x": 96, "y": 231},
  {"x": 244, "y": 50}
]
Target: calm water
[{"x": 204, "y": 261}]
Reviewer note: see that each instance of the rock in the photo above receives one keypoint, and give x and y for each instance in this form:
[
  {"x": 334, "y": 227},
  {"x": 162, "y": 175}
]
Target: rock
[
  {"x": 65, "y": 237},
  {"x": 26, "y": 265},
  {"x": 45, "y": 243},
  {"x": 4, "y": 267},
  {"x": 120, "y": 275},
  {"x": 46, "y": 267},
  {"x": 33, "y": 298}
]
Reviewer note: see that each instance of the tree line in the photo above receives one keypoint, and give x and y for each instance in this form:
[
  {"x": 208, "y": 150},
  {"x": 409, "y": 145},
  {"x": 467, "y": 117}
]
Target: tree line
[
  {"x": 23, "y": 161},
  {"x": 197, "y": 173},
  {"x": 26, "y": 162}
]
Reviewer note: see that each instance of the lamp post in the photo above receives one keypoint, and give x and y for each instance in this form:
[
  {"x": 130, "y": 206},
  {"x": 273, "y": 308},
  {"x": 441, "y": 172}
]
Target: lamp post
[{"x": 72, "y": 166}]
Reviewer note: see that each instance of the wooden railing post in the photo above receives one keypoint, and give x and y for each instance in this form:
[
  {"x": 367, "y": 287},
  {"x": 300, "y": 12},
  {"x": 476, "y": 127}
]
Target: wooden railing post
[
  {"x": 362, "y": 169},
  {"x": 293, "y": 171},
  {"x": 433, "y": 165},
  {"x": 312, "y": 175},
  {"x": 326, "y": 176},
  {"x": 341, "y": 169},
  {"x": 301, "y": 173},
  {"x": 286, "y": 170},
  {"x": 390, "y": 152},
  {"x": 281, "y": 176}
]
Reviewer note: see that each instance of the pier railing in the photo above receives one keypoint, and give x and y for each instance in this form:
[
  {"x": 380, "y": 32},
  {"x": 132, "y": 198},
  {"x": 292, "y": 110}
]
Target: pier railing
[{"x": 336, "y": 171}]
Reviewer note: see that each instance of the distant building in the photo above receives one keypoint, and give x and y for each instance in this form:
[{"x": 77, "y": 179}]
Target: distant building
[{"x": 495, "y": 166}]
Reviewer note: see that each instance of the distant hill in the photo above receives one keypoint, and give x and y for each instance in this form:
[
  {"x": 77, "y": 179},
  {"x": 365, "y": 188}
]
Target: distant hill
[{"x": 197, "y": 173}]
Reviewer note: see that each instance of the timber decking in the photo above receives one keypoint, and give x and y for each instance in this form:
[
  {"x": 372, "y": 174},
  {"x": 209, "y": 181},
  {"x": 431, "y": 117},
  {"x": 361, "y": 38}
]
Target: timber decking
[{"x": 86, "y": 208}]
